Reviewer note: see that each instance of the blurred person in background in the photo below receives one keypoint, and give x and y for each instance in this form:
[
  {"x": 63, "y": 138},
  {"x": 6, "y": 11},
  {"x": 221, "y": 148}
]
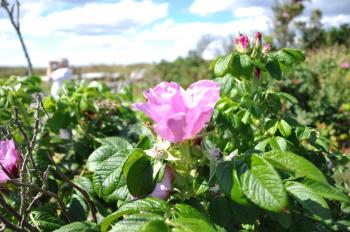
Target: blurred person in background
[{"x": 58, "y": 72}]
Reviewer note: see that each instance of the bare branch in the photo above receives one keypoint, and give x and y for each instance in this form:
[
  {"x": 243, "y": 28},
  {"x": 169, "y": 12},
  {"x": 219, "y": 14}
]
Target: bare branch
[
  {"x": 82, "y": 191},
  {"x": 16, "y": 26}
]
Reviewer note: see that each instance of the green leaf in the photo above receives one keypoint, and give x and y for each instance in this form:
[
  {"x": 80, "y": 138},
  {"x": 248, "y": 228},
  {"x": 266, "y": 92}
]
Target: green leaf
[
  {"x": 242, "y": 65},
  {"x": 263, "y": 186},
  {"x": 45, "y": 220},
  {"x": 108, "y": 177},
  {"x": 271, "y": 126},
  {"x": 220, "y": 211},
  {"x": 139, "y": 179},
  {"x": 150, "y": 204},
  {"x": 191, "y": 225},
  {"x": 133, "y": 157},
  {"x": 222, "y": 65},
  {"x": 116, "y": 142},
  {"x": 274, "y": 69},
  {"x": 155, "y": 225},
  {"x": 79, "y": 227},
  {"x": 311, "y": 201},
  {"x": 303, "y": 132},
  {"x": 284, "y": 128},
  {"x": 278, "y": 143},
  {"x": 77, "y": 209},
  {"x": 287, "y": 96},
  {"x": 326, "y": 190},
  {"x": 226, "y": 84},
  {"x": 226, "y": 176},
  {"x": 187, "y": 211},
  {"x": 297, "y": 54},
  {"x": 84, "y": 183},
  {"x": 98, "y": 156},
  {"x": 295, "y": 164},
  {"x": 135, "y": 222}
]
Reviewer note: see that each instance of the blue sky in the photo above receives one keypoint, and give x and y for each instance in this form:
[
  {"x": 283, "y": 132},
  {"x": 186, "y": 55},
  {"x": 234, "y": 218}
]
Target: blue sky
[{"x": 132, "y": 31}]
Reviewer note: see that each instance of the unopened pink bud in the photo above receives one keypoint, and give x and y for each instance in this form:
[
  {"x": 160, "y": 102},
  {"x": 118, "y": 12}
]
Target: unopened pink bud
[
  {"x": 257, "y": 42},
  {"x": 163, "y": 189},
  {"x": 242, "y": 43},
  {"x": 266, "y": 48}
]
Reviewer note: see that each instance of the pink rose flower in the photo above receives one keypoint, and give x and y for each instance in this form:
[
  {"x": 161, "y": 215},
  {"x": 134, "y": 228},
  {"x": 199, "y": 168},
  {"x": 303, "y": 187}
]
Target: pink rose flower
[
  {"x": 344, "y": 65},
  {"x": 163, "y": 189},
  {"x": 9, "y": 160},
  {"x": 242, "y": 43},
  {"x": 180, "y": 114}
]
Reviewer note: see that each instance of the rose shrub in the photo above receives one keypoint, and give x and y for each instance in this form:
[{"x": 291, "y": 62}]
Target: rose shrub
[{"x": 226, "y": 154}]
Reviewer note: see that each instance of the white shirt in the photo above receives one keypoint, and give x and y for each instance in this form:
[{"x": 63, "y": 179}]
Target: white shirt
[{"x": 58, "y": 76}]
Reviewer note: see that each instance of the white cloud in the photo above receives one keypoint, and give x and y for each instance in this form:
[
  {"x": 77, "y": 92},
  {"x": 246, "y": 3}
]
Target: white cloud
[
  {"x": 91, "y": 18},
  {"x": 129, "y": 31},
  {"x": 251, "y": 11},
  {"x": 206, "y": 7},
  {"x": 335, "y": 20}
]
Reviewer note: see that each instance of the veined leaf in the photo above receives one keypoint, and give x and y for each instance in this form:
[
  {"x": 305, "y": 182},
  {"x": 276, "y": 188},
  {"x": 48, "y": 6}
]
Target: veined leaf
[
  {"x": 326, "y": 190},
  {"x": 150, "y": 204},
  {"x": 311, "y": 201},
  {"x": 136, "y": 222},
  {"x": 263, "y": 186},
  {"x": 79, "y": 227},
  {"x": 297, "y": 165},
  {"x": 116, "y": 142}
]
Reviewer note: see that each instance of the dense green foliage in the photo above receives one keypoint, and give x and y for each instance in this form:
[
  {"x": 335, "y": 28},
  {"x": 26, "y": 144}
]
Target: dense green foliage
[{"x": 259, "y": 165}]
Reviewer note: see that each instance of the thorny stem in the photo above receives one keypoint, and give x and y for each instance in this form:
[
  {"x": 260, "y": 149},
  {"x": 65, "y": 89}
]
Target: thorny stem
[
  {"x": 12, "y": 211},
  {"x": 46, "y": 192},
  {"x": 73, "y": 185}
]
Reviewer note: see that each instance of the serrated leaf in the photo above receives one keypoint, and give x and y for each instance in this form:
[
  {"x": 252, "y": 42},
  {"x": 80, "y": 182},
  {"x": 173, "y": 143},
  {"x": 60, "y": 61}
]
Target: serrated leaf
[
  {"x": 108, "y": 177},
  {"x": 150, "y": 204},
  {"x": 295, "y": 164},
  {"x": 79, "y": 227},
  {"x": 312, "y": 202},
  {"x": 263, "y": 186},
  {"x": 135, "y": 222},
  {"x": 326, "y": 190},
  {"x": 116, "y": 142},
  {"x": 98, "y": 156},
  {"x": 46, "y": 221}
]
